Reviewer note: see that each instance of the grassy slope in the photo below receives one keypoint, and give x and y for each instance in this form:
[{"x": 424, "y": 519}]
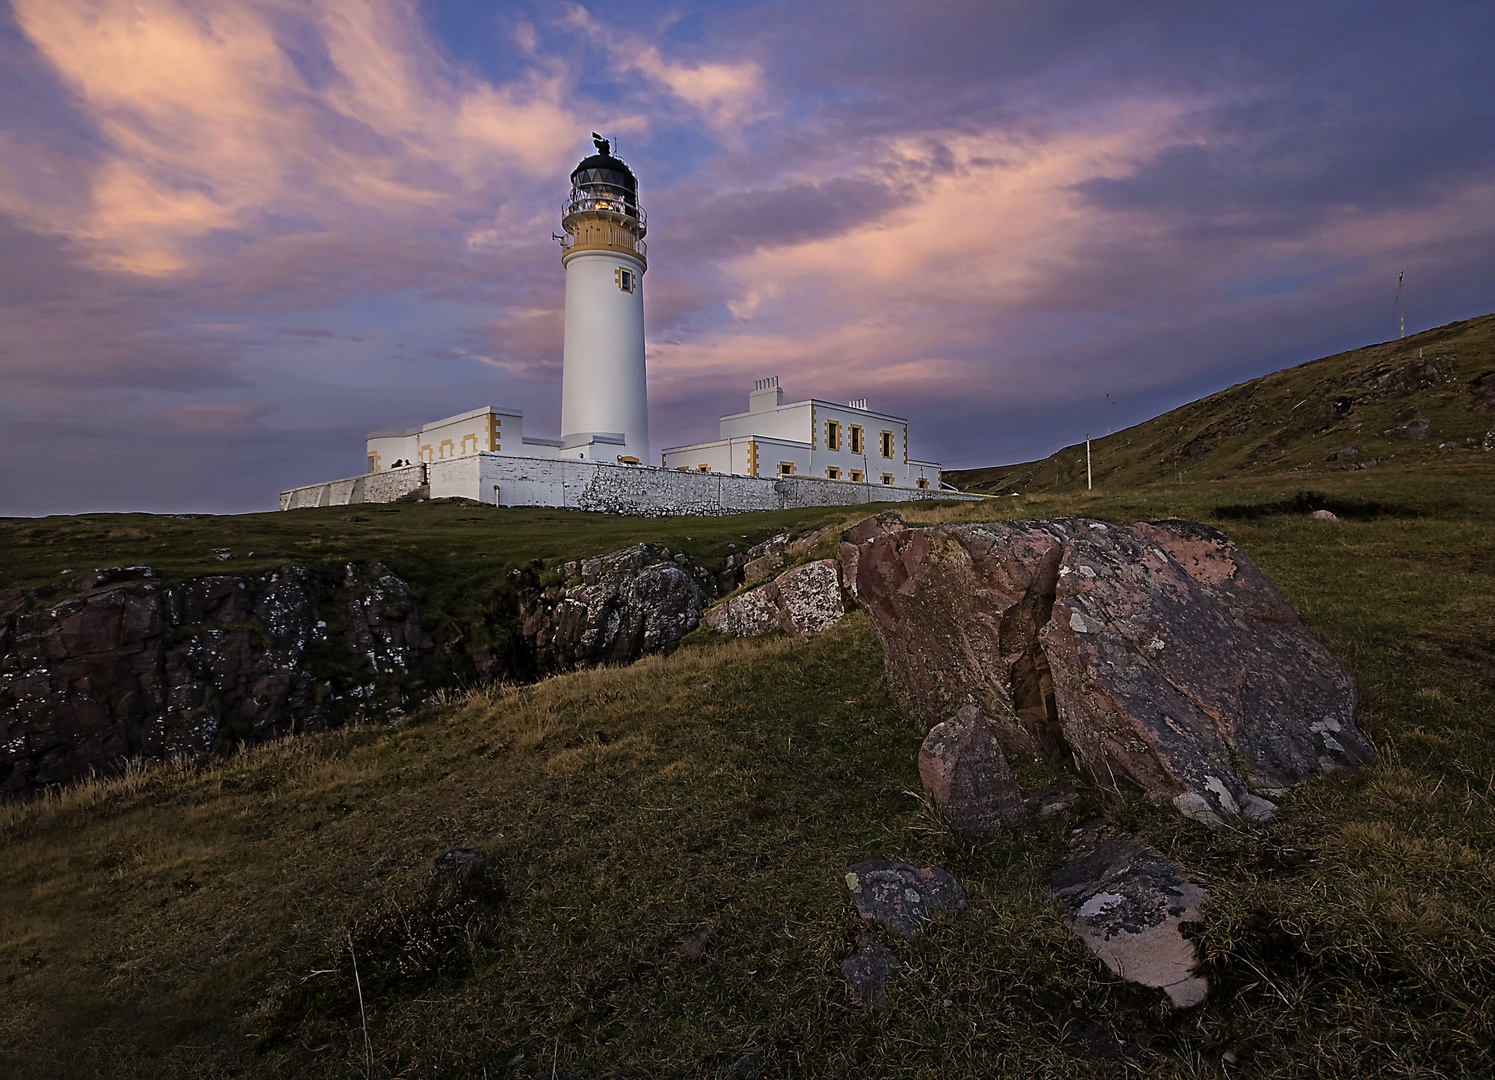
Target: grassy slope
[
  {"x": 444, "y": 546},
  {"x": 195, "y": 920},
  {"x": 1279, "y": 423}
]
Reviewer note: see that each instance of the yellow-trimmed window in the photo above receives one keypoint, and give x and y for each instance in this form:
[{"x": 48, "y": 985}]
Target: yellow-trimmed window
[
  {"x": 856, "y": 476},
  {"x": 832, "y": 473},
  {"x": 856, "y": 438},
  {"x": 887, "y": 444},
  {"x": 832, "y": 435},
  {"x": 887, "y": 479},
  {"x": 786, "y": 468},
  {"x": 923, "y": 481}
]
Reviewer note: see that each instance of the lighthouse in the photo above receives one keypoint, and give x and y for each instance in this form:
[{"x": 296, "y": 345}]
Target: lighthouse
[{"x": 604, "y": 402}]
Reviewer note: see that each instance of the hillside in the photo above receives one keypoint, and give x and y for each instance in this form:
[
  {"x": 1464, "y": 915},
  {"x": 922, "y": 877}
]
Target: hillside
[
  {"x": 1357, "y": 410},
  {"x": 273, "y": 914}
]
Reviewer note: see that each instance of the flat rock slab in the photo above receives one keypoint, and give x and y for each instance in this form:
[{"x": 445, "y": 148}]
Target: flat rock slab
[
  {"x": 900, "y": 896},
  {"x": 1125, "y": 902},
  {"x": 961, "y": 764},
  {"x": 867, "y": 972}
]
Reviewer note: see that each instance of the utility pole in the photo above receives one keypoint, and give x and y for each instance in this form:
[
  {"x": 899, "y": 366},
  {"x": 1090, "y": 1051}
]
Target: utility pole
[
  {"x": 1089, "y": 481},
  {"x": 1401, "y": 310}
]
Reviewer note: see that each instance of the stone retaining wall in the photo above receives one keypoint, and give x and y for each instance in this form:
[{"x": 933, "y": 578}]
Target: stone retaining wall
[{"x": 505, "y": 480}]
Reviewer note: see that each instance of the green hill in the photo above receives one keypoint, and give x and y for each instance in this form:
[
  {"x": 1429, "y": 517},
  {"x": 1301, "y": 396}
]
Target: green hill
[
  {"x": 1337, "y": 414},
  {"x": 273, "y": 913}
]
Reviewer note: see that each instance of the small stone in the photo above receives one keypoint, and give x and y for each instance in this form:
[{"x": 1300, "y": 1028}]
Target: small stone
[
  {"x": 962, "y": 766},
  {"x": 900, "y": 896},
  {"x": 761, "y": 569},
  {"x": 1229, "y": 1058},
  {"x": 696, "y": 942},
  {"x": 1412, "y": 431},
  {"x": 867, "y": 972},
  {"x": 464, "y": 860},
  {"x": 745, "y": 1066},
  {"x": 1325, "y": 515}
]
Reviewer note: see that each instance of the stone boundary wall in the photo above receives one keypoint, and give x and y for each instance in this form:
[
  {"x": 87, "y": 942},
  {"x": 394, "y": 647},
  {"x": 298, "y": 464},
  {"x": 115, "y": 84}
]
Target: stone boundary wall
[
  {"x": 506, "y": 480},
  {"x": 375, "y": 487}
]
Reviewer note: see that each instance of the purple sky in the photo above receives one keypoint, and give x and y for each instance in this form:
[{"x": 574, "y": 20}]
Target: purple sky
[{"x": 235, "y": 235}]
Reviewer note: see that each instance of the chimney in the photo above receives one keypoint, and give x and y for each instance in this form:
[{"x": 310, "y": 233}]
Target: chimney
[{"x": 766, "y": 395}]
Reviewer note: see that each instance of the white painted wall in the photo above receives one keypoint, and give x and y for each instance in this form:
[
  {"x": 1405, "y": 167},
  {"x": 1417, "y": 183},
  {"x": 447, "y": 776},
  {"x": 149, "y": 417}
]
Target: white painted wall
[
  {"x": 790, "y": 421},
  {"x": 604, "y": 383},
  {"x": 597, "y": 486}
]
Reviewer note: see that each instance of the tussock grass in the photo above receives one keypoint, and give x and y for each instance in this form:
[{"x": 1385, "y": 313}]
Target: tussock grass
[{"x": 203, "y": 918}]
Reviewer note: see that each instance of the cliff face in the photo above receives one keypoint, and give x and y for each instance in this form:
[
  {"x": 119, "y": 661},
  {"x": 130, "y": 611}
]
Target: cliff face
[
  {"x": 119, "y": 665},
  {"x": 125, "y": 666}
]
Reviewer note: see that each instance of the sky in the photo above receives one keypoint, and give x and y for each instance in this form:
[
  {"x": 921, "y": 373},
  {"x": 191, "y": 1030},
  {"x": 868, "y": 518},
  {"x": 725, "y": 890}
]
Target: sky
[{"x": 237, "y": 235}]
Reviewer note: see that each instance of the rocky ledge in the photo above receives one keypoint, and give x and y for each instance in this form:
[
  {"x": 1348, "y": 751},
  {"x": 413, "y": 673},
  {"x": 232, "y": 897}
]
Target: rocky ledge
[{"x": 119, "y": 665}]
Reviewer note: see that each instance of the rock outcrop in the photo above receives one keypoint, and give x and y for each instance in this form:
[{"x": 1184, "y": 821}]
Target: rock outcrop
[
  {"x": 119, "y": 665},
  {"x": 617, "y": 607},
  {"x": 1417, "y": 374},
  {"x": 1482, "y": 390},
  {"x": 961, "y": 764},
  {"x": 128, "y": 667},
  {"x": 803, "y": 600},
  {"x": 762, "y": 561},
  {"x": 1157, "y": 655},
  {"x": 1126, "y": 903}
]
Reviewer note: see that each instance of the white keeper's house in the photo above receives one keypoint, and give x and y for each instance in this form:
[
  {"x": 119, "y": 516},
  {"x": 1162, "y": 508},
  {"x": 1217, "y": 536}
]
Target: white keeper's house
[
  {"x": 848, "y": 443},
  {"x": 807, "y": 453}
]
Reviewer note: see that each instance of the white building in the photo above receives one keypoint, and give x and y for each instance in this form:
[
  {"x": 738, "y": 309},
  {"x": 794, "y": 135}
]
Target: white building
[
  {"x": 774, "y": 455},
  {"x": 848, "y": 443}
]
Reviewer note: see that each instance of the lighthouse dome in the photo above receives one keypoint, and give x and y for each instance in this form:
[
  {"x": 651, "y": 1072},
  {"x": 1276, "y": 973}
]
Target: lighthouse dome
[{"x": 604, "y": 169}]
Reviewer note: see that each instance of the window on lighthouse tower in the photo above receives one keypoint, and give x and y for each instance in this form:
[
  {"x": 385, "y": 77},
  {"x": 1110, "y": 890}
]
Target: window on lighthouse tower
[{"x": 625, "y": 280}]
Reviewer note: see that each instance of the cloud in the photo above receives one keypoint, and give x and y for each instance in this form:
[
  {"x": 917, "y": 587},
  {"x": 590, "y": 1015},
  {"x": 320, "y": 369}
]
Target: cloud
[
  {"x": 207, "y": 122},
  {"x": 728, "y": 94}
]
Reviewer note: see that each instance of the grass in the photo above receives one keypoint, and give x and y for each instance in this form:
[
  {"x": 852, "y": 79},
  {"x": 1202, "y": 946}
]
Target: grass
[
  {"x": 443, "y": 546},
  {"x": 204, "y": 918}
]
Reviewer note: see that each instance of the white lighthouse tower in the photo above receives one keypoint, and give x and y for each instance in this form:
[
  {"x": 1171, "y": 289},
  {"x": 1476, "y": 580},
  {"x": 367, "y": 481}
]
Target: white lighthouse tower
[{"x": 604, "y": 402}]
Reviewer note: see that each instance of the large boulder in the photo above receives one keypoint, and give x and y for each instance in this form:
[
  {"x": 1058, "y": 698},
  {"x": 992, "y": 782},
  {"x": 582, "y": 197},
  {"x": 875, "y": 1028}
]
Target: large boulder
[
  {"x": 1157, "y": 655},
  {"x": 958, "y": 609},
  {"x": 961, "y": 764}
]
